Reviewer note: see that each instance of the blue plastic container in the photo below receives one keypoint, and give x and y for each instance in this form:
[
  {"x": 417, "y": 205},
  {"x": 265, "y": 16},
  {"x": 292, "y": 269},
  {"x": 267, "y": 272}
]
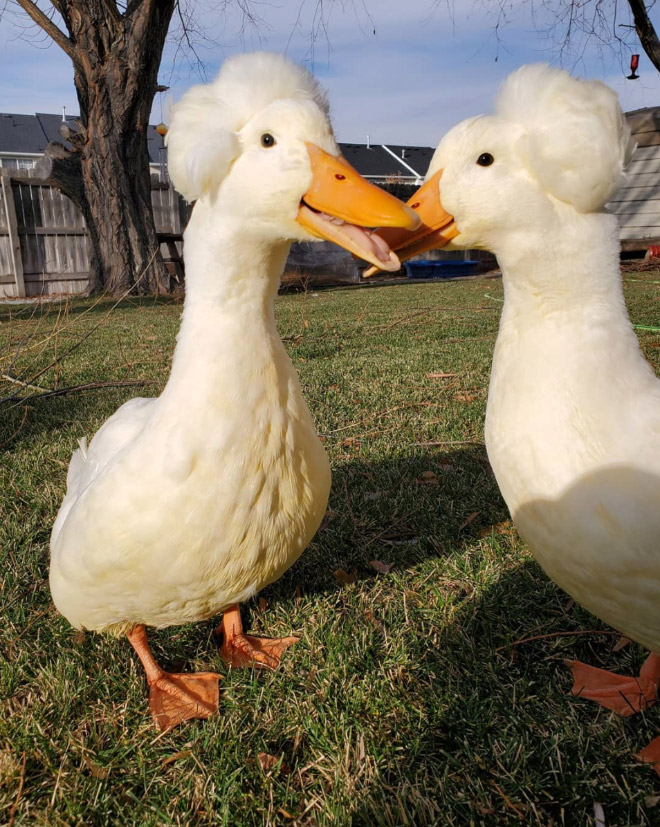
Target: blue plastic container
[{"x": 428, "y": 269}]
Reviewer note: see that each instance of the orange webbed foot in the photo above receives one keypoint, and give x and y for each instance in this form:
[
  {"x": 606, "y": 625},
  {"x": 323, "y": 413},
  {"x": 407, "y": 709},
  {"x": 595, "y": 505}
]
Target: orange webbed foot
[
  {"x": 239, "y": 649},
  {"x": 651, "y": 754},
  {"x": 175, "y": 698},
  {"x": 259, "y": 652},
  {"x": 622, "y": 694}
]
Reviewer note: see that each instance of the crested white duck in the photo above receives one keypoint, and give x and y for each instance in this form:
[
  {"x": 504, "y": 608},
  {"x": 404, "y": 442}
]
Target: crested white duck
[
  {"x": 573, "y": 414},
  {"x": 185, "y": 505}
]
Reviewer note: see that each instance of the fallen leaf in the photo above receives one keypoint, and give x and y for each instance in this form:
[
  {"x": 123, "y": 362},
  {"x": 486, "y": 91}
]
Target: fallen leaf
[
  {"x": 427, "y": 478},
  {"x": 599, "y": 815},
  {"x": 285, "y": 814},
  {"x": 306, "y": 324},
  {"x": 470, "y": 519},
  {"x": 381, "y": 567},
  {"x": 268, "y": 762},
  {"x": 569, "y": 604},
  {"x": 621, "y": 643},
  {"x": 362, "y": 753},
  {"x": 496, "y": 528},
  {"x": 351, "y": 440},
  {"x": 95, "y": 770},
  {"x": 332, "y": 387},
  {"x": 322, "y": 439},
  {"x": 441, "y": 375},
  {"x": 263, "y": 604},
  {"x": 184, "y": 753},
  {"x": 651, "y": 801},
  {"x": 346, "y": 578},
  {"x": 79, "y": 638},
  {"x": 463, "y": 396}
]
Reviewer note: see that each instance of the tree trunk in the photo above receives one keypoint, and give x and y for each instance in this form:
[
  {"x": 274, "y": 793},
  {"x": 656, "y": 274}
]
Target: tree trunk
[
  {"x": 646, "y": 32},
  {"x": 115, "y": 55}
]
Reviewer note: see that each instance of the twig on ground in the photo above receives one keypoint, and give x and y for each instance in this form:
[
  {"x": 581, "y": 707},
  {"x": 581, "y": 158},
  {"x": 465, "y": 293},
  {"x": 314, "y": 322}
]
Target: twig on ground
[
  {"x": 19, "y": 793},
  {"x": 76, "y": 388},
  {"x": 558, "y": 634}
]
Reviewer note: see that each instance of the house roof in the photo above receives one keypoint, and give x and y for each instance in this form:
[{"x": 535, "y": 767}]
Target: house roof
[
  {"x": 377, "y": 161},
  {"x": 31, "y": 134}
]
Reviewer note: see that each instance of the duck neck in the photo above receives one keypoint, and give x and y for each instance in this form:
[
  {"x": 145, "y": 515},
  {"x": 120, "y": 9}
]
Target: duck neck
[
  {"x": 228, "y": 322},
  {"x": 568, "y": 272}
]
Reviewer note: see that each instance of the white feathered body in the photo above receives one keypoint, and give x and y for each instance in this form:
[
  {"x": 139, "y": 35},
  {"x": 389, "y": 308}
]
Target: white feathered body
[
  {"x": 573, "y": 416},
  {"x": 188, "y": 503},
  {"x": 573, "y": 433}
]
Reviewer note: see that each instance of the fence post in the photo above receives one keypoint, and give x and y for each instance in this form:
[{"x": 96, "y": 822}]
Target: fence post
[{"x": 12, "y": 229}]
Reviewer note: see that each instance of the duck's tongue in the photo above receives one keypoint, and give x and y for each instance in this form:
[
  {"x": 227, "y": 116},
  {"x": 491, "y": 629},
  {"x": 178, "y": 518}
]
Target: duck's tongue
[{"x": 362, "y": 242}]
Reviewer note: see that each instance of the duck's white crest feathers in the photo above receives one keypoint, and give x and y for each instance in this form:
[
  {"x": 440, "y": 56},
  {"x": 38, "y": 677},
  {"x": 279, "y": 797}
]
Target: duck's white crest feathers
[
  {"x": 577, "y": 141},
  {"x": 203, "y": 139}
]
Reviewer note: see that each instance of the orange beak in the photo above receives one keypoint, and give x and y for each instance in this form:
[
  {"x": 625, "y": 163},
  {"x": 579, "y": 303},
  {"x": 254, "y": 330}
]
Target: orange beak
[
  {"x": 437, "y": 226},
  {"x": 339, "y": 203}
]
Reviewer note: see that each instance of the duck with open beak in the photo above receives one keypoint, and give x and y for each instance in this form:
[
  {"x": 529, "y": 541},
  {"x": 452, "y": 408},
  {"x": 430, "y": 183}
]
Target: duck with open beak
[
  {"x": 340, "y": 204},
  {"x": 436, "y": 229}
]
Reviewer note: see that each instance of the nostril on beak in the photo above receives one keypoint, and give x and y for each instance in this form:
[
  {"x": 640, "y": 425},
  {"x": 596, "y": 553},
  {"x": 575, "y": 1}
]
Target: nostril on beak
[
  {"x": 415, "y": 205},
  {"x": 339, "y": 176}
]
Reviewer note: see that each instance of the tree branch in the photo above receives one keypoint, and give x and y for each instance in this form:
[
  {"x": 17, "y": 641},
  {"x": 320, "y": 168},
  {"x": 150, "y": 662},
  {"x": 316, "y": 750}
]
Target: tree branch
[
  {"x": 645, "y": 31},
  {"x": 42, "y": 20}
]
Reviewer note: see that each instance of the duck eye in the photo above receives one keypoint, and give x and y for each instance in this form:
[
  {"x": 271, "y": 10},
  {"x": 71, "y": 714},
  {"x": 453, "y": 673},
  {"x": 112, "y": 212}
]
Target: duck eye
[
  {"x": 485, "y": 159},
  {"x": 267, "y": 140}
]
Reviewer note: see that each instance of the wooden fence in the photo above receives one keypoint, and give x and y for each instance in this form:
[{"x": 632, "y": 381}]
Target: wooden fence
[{"x": 43, "y": 240}]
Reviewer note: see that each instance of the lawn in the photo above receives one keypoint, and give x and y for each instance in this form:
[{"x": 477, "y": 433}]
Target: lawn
[{"x": 413, "y": 697}]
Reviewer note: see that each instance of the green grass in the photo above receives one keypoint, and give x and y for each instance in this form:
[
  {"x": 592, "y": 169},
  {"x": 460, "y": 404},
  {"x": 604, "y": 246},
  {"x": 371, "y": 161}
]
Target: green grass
[{"x": 404, "y": 703}]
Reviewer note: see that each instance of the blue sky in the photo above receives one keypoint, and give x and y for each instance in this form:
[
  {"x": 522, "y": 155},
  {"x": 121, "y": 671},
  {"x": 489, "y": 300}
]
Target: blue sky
[{"x": 400, "y": 71}]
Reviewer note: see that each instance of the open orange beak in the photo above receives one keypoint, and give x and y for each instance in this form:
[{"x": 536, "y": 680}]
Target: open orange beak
[
  {"x": 437, "y": 226},
  {"x": 340, "y": 203}
]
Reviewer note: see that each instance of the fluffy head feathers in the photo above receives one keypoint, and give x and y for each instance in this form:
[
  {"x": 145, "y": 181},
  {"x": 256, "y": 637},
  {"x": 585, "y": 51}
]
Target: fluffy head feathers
[
  {"x": 576, "y": 141},
  {"x": 203, "y": 140}
]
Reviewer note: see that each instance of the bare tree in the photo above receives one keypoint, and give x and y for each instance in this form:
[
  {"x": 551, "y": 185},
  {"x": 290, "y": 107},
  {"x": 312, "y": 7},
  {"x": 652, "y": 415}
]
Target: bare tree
[
  {"x": 116, "y": 50},
  {"x": 571, "y": 25}
]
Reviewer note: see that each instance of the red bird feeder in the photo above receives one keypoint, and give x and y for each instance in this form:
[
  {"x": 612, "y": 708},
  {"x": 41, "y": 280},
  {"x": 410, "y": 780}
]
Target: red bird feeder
[{"x": 634, "y": 63}]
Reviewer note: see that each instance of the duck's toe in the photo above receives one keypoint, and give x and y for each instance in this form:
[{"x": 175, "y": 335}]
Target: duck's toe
[
  {"x": 623, "y": 694},
  {"x": 174, "y": 698},
  {"x": 260, "y": 652}
]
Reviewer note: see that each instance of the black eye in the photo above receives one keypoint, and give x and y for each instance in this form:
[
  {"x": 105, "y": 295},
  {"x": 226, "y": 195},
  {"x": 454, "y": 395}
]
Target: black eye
[
  {"x": 267, "y": 140},
  {"x": 485, "y": 159}
]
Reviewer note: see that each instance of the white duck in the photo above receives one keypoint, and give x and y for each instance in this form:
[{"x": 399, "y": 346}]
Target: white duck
[
  {"x": 573, "y": 416},
  {"x": 185, "y": 505}
]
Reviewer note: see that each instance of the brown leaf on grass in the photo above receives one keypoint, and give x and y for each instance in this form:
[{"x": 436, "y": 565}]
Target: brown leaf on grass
[
  {"x": 269, "y": 762},
  {"x": 441, "y": 375},
  {"x": 651, "y": 801},
  {"x": 352, "y": 440},
  {"x": 427, "y": 478},
  {"x": 345, "y": 578},
  {"x": 569, "y": 604},
  {"x": 362, "y": 753},
  {"x": 263, "y": 604},
  {"x": 622, "y": 642},
  {"x": 184, "y": 753},
  {"x": 306, "y": 324},
  {"x": 79, "y": 638},
  {"x": 380, "y": 567},
  {"x": 496, "y": 528},
  {"x": 286, "y": 814},
  {"x": 95, "y": 770},
  {"x": 464, "y": 396},
  {"x": 469, "y": 520}
]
